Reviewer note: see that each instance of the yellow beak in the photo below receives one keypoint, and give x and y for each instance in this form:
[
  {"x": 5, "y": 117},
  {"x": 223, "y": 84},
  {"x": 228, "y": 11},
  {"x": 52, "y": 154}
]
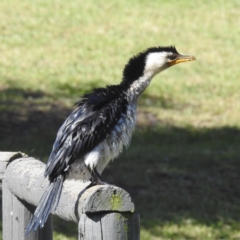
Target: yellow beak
[{"x": 181, "y": 58}]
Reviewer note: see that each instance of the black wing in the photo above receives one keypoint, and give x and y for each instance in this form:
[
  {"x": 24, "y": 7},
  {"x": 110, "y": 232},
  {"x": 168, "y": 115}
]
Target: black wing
[{"x": 88, "y": 125}]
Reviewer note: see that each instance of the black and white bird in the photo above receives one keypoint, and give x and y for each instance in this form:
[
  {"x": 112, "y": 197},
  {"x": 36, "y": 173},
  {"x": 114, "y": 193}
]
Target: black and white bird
[{"x": 100, "y": 126}]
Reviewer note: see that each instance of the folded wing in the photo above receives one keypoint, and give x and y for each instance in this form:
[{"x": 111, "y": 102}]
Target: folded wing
[{"x": 88, "y": 125}]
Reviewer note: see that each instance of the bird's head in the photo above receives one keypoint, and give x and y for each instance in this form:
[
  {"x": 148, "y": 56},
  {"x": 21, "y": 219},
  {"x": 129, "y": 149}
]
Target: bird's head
[{"x": 152, "y": 61}]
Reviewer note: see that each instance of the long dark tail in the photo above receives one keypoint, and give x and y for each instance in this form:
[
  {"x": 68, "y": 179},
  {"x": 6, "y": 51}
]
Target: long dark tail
[{"x": 48, "y": 202}]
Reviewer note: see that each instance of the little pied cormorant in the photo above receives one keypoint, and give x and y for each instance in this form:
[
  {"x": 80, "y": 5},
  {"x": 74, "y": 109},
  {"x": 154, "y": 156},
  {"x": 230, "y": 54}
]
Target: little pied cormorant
[{"x": 99, "y": 127}]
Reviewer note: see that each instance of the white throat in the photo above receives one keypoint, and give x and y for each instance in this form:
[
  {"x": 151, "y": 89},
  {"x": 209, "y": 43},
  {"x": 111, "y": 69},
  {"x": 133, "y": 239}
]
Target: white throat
[{"x": 155, "y": 63}]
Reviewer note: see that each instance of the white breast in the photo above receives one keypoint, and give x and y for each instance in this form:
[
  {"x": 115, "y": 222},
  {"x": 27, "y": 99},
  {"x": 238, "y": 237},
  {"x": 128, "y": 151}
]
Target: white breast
[
  {"x": 113, "y": 145},
  {"x": 108, "y": 149}
]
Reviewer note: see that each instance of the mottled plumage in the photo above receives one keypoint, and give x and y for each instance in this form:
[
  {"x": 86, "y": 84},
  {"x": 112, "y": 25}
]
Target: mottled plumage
[
  {"x": 89, "y": 124},
  {"x": 100, "y": 126}
]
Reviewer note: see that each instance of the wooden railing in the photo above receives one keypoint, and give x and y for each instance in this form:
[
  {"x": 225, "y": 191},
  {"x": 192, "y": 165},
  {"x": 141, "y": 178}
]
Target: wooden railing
[{"x": 102, "y": 212}]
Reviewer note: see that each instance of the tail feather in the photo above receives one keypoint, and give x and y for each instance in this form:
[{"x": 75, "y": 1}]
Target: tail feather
[{"x": 48, "y": 202}]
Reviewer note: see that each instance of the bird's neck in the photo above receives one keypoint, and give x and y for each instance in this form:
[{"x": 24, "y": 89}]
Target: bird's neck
[{"x": 137, "y": 87}]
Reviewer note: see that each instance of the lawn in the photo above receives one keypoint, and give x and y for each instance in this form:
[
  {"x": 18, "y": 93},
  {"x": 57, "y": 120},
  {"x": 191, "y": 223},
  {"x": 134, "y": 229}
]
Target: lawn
[{"x": 183, "y": 166}]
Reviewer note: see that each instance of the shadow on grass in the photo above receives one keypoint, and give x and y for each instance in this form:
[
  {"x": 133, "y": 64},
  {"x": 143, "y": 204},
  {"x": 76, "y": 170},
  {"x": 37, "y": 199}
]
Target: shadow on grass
[
  {"x": 173, "y": 174},
  {"x": 29, "y": 121}
]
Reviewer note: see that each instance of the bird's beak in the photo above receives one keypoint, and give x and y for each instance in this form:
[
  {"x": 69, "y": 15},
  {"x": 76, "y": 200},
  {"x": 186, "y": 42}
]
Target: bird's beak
[{"x": 181, "y": 58}]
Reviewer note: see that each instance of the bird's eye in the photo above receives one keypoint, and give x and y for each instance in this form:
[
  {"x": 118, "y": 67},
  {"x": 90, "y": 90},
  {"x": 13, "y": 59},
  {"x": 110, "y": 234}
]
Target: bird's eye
[{"x": 172, "y": 56}]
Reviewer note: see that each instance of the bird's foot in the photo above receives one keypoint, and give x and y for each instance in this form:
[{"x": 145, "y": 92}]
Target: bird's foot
[
  {"x": 100, "y": 182},
  {"x": 95, "y": 183},
  {"x": 96, "y": 178}
]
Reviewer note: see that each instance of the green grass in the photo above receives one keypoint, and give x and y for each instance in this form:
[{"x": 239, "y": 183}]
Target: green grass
[{"x": 185, "y": 152}]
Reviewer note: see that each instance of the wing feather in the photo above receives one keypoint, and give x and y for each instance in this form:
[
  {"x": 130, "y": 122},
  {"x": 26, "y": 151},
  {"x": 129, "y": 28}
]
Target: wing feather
[{"x": 84, "y": 129}]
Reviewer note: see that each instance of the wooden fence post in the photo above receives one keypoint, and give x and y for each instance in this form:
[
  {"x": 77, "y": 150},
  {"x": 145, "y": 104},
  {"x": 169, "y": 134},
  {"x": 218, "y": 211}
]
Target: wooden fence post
[
  {"x": 17, "y": 213},
  {"x": 103, "y": 212},
  {"x": 109, "y": 226}
]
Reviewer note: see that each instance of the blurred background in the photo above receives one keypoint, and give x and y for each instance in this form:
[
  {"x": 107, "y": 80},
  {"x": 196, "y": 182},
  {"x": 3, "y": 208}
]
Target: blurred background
[{"x": 183, "y": 166}]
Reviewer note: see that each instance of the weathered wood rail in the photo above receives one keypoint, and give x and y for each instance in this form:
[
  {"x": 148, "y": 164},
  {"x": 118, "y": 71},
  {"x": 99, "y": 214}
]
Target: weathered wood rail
[{"x": 102, "y": 212}]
